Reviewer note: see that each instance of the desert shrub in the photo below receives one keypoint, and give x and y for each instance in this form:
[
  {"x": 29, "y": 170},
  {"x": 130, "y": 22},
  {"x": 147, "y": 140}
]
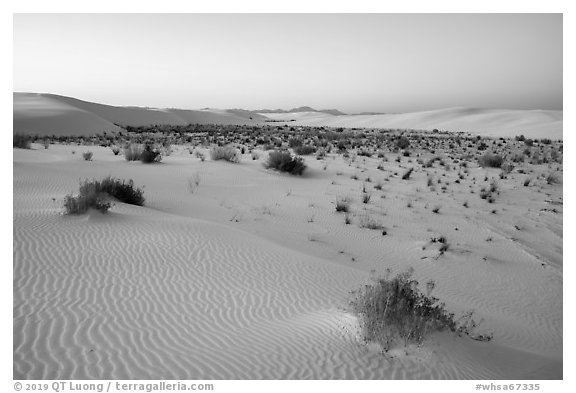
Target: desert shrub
[
  {"x": 283, "y": 161},
  {"x": 87, "y": 155},
  {"x": 227, "y": 153},
  {"x": 115, "y": 150},
  {"x": 490, "y": 160},
  {"x": 402, "y": 142},
  {"x": 304, "y": 150},
  {"x": 150, "y": 155},
  {"x": 133, "y": 152},
  {"x": 394, "y": 309},
  {"x": 21, "y": 141},
  {"x": 96, "y": 194},
  {"x": 122, "y": 190},
  {"x": 81, "y": 203}
]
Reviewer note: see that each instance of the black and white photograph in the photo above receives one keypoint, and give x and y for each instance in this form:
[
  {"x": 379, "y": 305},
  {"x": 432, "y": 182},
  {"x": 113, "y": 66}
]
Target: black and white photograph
[{"x": 287, "y": 196}]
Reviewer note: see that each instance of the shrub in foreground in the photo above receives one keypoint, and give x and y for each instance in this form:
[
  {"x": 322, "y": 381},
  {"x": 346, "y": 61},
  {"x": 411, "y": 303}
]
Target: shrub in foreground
[
  {"x": 227, "y": 153},
  {"x": 393, "y": 310},
  {"x": 21, "y": 141},
  {"x": 97, "y": 194},
  {"x": 283, "y": 161}
]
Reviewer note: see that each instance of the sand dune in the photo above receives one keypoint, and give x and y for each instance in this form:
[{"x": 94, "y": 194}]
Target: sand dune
[
  {"x": 47, "y": 114},
  {"x": 234, "y": 281},
  {"x": 487, "y": 122}
]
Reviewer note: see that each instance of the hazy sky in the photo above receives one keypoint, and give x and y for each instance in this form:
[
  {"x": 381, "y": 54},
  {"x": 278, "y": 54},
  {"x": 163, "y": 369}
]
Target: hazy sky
[{"x": 353, "y": 62}]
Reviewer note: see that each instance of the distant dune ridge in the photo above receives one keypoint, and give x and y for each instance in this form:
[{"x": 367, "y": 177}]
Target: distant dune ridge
[{"x": 47, "y": 114}]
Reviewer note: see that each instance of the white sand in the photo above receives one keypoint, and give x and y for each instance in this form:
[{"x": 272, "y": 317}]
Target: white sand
[
  {"x": 232, "y": 281},
  {"x": 486, "y": 122}
]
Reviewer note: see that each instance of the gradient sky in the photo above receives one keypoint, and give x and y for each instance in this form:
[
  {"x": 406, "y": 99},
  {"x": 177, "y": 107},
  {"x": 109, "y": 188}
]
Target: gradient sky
[{"x": 353, "y": 62}]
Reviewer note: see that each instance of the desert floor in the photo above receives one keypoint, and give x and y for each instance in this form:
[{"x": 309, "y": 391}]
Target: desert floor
[{"x": 248, "y": 274}]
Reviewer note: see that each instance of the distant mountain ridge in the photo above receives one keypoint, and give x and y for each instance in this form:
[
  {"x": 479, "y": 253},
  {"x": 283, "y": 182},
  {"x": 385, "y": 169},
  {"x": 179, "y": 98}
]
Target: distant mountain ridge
[{"x": 334, "y": 112}]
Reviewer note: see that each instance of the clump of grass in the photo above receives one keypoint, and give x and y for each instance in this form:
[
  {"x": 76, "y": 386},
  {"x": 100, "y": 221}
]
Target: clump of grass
[
  {"x": 342, "y": 205},
  {"x": 227, "y": 153},
  {"x": 96, "y": 194},
  {"x": 407, "y": 174},
  {"x": 283, "y": 161},
  {"x": 21, "y": 141},
  {"x": 133, "y": 152},
  {"x": 393, "y": 310},
  {"x": 489, "y": 160},
  {"x": 87, "y": 155}
]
